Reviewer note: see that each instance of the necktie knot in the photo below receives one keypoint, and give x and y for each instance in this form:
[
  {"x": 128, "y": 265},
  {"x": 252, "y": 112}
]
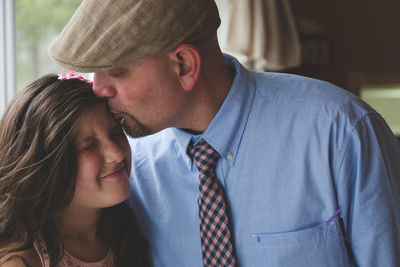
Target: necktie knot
[{"x": 205, "y": 156}]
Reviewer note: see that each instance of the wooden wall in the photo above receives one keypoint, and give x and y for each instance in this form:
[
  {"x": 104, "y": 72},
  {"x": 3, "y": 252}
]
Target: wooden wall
[{"x": 364, "y": 37}]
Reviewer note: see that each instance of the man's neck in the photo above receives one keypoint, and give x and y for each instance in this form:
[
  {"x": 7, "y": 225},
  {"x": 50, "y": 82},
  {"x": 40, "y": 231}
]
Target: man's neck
[{"x": 214, "y": 88}]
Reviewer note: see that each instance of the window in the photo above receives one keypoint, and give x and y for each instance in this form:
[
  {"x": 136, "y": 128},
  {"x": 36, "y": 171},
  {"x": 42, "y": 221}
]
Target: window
[
  {"x": 380, "y": 89},
  {"x": 7, "y": 53},
  {"x": 385, "y": 100},
  {"x": 27, "y": 29},
  {"x": 37, "y": 23}
]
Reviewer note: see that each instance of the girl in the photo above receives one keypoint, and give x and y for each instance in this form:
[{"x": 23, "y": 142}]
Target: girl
[{"x": 64, "y": 180}]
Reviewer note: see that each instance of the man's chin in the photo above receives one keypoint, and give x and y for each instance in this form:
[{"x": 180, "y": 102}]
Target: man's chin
[{"x": 135, "y": 129}]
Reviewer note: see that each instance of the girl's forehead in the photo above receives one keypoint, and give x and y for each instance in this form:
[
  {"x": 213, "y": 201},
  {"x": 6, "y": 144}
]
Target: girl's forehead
[
  {"x": 95, "y": 119},
  {"x": 90, "y": 117}
]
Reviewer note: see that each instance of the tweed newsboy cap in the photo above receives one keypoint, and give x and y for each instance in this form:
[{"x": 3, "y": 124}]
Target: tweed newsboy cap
[{"x": 105, "y": 33}]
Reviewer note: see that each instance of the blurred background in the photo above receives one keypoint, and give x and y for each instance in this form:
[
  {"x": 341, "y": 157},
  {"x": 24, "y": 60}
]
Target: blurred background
[{"x": 353, "y": 44}]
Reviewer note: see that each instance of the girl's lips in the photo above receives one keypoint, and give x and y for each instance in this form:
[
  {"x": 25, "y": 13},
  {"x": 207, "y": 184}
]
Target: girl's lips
[{"x": 115, "y": 174}]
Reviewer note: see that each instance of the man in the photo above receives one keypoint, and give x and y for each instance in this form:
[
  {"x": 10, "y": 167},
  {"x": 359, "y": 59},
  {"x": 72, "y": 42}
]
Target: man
[{"x": 306, "y": 174}]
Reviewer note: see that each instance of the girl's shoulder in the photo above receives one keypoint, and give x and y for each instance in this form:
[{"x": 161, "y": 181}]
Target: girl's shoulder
[{"x": 27, "y": 258}]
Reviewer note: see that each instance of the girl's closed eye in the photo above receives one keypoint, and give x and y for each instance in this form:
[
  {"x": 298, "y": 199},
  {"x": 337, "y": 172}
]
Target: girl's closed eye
[{"x": 89, "y": 145}]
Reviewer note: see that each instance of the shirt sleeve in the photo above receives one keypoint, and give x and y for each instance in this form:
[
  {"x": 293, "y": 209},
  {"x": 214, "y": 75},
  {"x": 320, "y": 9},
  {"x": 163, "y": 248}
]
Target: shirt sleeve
[{"x": 368, "y": 192}]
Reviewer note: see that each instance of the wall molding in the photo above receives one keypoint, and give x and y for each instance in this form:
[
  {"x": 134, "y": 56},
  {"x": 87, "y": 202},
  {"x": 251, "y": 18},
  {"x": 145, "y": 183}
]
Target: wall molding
[{"x": 7, "y": 53}]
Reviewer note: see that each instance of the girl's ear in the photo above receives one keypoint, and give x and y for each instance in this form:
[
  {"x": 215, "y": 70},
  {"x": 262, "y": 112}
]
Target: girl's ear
[{"x": 188, "y": 63}]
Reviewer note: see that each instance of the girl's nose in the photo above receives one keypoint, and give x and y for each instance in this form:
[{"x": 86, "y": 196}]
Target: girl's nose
[{"x": 113, "y": 153}]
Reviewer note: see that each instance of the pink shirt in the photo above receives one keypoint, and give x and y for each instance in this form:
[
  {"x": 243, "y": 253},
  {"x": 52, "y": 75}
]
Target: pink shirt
[{"x": 69, "y": 260}]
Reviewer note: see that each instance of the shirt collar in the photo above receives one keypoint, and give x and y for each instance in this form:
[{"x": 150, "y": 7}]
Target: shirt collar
[{"x": 226, "y": 129}]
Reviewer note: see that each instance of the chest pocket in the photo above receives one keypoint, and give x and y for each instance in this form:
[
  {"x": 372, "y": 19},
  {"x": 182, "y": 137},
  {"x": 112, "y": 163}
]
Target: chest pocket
[{"x": 323, "y": 245}]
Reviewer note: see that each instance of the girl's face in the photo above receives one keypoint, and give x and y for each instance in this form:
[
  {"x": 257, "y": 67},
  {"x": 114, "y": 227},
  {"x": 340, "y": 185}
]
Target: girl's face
[{"x": 103, "y": 160}]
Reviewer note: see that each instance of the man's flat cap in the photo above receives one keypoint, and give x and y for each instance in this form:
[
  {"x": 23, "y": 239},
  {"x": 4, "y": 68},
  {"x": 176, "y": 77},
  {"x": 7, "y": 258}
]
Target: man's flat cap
[{"x": 105, "y": 33}]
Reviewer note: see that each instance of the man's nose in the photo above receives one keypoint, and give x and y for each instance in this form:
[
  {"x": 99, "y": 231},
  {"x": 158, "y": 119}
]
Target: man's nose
[{"x": 102, "y": 87}]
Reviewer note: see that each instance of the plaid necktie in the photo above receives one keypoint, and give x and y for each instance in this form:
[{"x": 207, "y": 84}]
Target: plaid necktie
[{"x": 215, "y": 234}]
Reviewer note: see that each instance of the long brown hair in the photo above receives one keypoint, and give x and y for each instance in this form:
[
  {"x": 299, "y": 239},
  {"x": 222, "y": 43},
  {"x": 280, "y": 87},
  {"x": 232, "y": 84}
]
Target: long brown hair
[{"x": 38, "y": 167}]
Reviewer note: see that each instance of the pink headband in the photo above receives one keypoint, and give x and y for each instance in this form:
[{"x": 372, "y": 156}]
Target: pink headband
[{"x": 73, "y": 75}]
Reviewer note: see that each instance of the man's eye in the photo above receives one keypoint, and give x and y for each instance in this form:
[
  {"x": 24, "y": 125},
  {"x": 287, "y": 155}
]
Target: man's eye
[{"x": 116, "y": 74}]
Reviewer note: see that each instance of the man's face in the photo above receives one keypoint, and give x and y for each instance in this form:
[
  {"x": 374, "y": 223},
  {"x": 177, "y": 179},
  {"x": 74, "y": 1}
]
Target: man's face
[{"x": 145, "y": 94}]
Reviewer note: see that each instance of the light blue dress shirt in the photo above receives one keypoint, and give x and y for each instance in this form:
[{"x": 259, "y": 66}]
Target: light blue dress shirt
[{"x": 293, "y": 152}]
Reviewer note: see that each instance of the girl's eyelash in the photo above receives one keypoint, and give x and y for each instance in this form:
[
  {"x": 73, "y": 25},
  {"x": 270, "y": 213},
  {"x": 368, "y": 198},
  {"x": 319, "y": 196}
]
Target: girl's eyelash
[
  {"x": 90, "y": 147},
  {"x": 115, "y": 132}
]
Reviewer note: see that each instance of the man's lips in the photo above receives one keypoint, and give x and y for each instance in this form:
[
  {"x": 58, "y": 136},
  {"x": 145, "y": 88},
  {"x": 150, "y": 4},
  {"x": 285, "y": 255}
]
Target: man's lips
[{"x": 118, "y": 116}]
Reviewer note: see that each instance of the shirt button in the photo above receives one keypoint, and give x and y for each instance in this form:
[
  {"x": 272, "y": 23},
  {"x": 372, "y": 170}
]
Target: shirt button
[{"x": 229, "y": 156}]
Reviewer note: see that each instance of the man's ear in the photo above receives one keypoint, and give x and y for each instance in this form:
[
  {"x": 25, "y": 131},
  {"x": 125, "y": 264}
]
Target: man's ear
[{"x": 188, "y": 65}]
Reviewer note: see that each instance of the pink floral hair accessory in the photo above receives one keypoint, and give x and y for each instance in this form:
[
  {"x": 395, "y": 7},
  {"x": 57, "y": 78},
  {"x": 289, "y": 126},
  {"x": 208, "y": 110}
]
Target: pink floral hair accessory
[{"x": 73, "y": 75}]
